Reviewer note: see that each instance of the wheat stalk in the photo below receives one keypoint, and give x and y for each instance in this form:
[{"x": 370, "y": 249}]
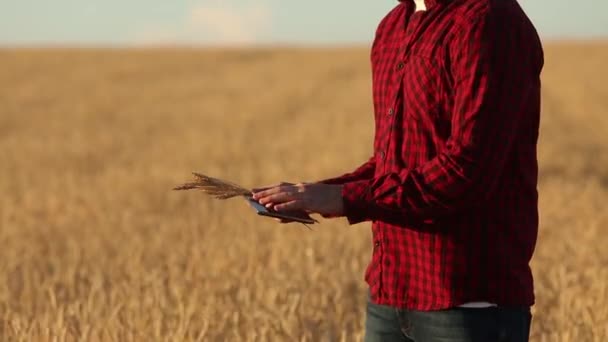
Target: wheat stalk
[{"x": 217, "y": 188}]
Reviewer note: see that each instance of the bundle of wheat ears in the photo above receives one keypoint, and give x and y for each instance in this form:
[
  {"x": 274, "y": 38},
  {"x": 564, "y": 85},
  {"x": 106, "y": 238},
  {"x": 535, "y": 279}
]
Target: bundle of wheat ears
[
  {"x": 215, "y": 187},
  {"x": 223, "y": 190}
]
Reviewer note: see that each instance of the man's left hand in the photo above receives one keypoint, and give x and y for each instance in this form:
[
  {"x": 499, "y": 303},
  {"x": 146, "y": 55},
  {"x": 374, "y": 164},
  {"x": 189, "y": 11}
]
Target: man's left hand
[{"x": 323, "y": 199}]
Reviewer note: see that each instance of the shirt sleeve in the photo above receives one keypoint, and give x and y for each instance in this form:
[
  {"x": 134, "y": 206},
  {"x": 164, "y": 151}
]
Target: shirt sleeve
[
  {"x": 495, "y": 67},
  {"x": 363, "y": 172}
]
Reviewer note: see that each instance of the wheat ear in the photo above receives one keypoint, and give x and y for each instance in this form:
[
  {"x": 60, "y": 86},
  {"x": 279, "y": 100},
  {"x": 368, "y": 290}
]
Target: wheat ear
[{"x": 217, "y": 188}]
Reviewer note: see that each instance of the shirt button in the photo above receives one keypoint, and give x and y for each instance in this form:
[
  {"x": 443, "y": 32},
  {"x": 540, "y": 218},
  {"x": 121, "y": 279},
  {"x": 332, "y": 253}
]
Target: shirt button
[
  {"x": 400, "y": 66},
  {"x": 377, "y": 244},
  {"x": 391, "y": 111},
  {"x": 382, "y": 155}
]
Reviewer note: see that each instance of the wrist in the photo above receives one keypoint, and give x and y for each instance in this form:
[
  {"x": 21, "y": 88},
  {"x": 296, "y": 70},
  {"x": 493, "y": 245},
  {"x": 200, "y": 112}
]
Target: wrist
[{"x": 337, "y": 202}]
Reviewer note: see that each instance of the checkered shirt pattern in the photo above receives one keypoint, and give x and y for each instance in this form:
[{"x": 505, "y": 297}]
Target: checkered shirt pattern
[{"x": 451, "y": 187}]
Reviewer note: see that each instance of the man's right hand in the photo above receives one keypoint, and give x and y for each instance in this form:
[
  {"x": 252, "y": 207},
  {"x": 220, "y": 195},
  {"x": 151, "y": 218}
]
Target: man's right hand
[{"x": 283, "y": 221}]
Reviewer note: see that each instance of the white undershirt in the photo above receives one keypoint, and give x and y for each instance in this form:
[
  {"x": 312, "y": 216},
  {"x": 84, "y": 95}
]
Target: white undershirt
[{"x": 421, "y": 6}]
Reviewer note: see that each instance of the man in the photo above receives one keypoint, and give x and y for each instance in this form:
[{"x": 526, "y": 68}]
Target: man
[{"x": 452, "y": 186}]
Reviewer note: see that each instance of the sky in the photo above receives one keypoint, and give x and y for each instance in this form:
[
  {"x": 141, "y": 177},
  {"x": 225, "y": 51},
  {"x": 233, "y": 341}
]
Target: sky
[{"x": 246, "y": 22}]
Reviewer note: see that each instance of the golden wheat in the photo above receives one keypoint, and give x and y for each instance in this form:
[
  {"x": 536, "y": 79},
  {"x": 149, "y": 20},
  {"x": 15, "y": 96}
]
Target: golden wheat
[
  {"x": 96, "y": 247},
  {"x": 215, "y": 187}
]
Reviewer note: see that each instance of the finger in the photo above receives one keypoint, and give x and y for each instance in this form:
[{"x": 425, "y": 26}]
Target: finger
[
  {"x": 290, "y": 206},
  {"x": 266, "y": 193},
  {"x": 263, "y": 197},
  {"x": 279, "y": 198},
  {"x": 271, "y": 191}
]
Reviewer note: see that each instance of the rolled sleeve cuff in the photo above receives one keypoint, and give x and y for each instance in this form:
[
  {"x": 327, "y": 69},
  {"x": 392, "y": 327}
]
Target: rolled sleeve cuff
[{"x": 357, "y": 197}]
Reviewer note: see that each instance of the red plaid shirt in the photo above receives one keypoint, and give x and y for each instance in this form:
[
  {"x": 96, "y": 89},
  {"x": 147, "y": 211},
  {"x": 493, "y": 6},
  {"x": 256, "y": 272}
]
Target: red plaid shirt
[{"x": 452, "y": 186}]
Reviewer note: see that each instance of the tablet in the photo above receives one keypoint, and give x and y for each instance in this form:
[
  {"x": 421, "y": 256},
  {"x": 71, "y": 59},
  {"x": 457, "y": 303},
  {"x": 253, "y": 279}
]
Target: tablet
[{"x": 292, "y": 216}]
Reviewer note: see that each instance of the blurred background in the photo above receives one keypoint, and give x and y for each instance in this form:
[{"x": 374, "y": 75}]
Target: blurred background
[
  {"x": 105, "y": 106},
  {"x": 245, "y": 22}
]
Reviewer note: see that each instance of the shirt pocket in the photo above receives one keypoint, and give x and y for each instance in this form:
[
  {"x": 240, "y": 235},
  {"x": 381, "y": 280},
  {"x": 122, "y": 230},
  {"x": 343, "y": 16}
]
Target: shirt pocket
[{"x": 423, "y": 89}]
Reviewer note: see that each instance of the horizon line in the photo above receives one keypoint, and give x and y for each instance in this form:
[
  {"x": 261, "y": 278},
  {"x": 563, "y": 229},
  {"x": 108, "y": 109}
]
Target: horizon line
[{"x": 260, "y": 45}]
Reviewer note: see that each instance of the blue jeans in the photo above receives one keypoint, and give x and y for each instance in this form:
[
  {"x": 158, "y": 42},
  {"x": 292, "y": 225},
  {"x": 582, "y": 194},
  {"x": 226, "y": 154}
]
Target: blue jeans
[{"x": 497, "y": 324}]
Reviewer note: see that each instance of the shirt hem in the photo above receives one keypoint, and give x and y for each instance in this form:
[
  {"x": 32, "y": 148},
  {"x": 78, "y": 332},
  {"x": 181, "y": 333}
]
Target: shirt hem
[{"x": 452, "y": 304}]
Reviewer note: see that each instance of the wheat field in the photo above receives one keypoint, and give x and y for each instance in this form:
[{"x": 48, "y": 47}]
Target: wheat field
[{"x": 94, "y": 245}]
